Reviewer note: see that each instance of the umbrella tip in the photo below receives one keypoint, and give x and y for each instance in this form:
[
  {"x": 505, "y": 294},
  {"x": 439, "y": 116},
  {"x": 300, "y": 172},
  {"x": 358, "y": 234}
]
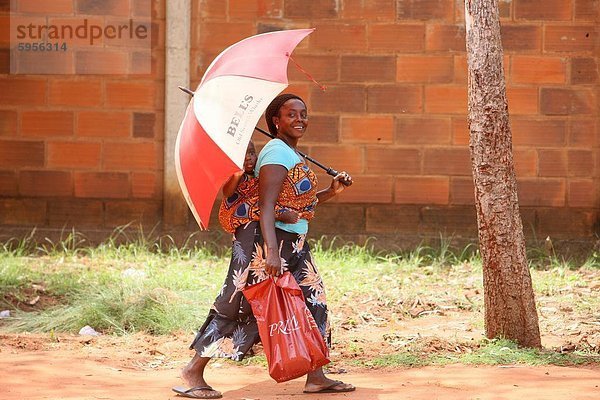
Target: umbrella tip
[{"x": 186, "y": 90}]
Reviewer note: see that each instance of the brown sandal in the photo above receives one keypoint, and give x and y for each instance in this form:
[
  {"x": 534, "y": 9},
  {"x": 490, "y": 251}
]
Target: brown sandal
[{"x": 206, "y": 392}]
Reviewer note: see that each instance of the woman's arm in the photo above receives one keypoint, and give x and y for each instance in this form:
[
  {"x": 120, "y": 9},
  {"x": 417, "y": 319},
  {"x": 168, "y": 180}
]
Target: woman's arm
[
  {"x": 232, "y": 183},
  {"x": 270, "y": 181},
  {"x": 339, "y": 183}
]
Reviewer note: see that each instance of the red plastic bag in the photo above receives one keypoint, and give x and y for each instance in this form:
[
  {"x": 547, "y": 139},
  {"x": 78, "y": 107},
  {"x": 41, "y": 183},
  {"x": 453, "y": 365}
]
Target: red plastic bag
[{"x": 290, "y": 336}]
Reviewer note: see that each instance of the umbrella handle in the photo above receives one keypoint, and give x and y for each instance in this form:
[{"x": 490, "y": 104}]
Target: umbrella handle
[{"x": 328, "y": 170}]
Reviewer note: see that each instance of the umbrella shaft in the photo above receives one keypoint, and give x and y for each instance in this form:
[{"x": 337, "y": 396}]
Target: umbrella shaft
[{"x": 330, "y": 171}]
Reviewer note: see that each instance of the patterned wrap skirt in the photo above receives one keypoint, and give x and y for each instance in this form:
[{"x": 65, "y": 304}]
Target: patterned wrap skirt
[{"x": 230, "y": 329}]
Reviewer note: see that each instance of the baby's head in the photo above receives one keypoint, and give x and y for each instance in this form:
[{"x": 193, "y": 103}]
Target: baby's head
[{"x": 250, "y": 159}]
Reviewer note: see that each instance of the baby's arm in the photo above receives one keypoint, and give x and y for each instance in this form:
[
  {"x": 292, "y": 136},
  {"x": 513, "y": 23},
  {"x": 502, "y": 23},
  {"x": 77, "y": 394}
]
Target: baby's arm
[
  {"x": 286, "y": 216},
  {"x": 232, "y": 183}
]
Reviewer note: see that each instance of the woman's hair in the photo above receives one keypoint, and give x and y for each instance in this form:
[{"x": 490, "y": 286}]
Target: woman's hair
[{"x": 273, "y": 109}]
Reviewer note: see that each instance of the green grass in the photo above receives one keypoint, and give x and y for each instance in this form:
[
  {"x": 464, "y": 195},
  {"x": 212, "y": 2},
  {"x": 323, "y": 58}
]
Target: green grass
[
  {"x": 488, "y": 352},
  {"x": 177, "y": 285},
  {"x": 118, "y": 287},
  {"x": 154, "y": 294},
  {"x": 396, "y": 360},
  {"x": 506, "y": 352},
  {"x": 139, "y": 283}
]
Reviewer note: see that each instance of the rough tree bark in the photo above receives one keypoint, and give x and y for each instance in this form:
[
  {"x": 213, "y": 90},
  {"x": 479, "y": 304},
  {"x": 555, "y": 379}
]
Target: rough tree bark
[{"x": 510, "y": 310}]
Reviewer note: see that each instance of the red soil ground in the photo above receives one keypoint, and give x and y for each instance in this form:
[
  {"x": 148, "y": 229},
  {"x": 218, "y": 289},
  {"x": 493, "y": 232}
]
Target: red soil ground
[{"x": 37, "y": 367}]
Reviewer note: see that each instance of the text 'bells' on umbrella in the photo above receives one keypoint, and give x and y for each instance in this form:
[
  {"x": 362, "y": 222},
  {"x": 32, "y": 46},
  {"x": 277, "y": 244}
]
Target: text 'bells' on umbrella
[{"x": 234, "y": 92}]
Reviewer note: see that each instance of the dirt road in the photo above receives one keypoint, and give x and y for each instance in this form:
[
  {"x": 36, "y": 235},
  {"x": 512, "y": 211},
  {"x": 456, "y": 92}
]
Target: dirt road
[{"x": 112, "y": 373}]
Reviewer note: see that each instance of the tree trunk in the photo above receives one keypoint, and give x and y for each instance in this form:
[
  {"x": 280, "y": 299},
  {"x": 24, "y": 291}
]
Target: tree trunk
[{"x": 509, "y": 301}]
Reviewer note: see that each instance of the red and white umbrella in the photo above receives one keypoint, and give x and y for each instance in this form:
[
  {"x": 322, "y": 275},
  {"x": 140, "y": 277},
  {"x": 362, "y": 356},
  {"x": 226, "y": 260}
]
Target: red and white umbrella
[{"x": 234, "y": 92}]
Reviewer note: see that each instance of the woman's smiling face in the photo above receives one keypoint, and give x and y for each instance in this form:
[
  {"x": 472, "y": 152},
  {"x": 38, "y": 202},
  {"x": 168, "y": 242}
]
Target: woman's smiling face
[{"x": 292, "y": 119}]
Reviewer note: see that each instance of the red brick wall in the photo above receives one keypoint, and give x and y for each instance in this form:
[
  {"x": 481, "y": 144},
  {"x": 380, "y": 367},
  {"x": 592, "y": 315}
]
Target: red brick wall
[
  {"x": 86, "y": 151},
  {"x": 83, "y": 151},
  {"x": 394, "y": 112}
]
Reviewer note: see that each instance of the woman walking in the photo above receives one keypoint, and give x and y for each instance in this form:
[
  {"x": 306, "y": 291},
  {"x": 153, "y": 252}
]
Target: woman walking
[{"x": 267, "y": 248}]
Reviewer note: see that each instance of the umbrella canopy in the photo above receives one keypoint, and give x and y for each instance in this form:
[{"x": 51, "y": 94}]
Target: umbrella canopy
[{"x": 236, "y": 89}]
